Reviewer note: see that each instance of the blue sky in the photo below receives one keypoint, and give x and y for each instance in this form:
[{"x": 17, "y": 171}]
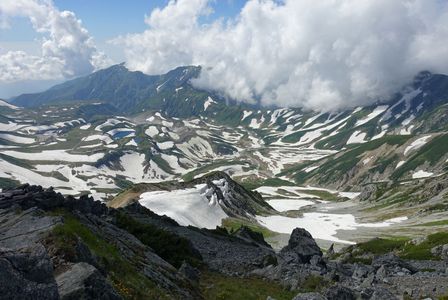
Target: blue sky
[{"x": 106, "y": 19}]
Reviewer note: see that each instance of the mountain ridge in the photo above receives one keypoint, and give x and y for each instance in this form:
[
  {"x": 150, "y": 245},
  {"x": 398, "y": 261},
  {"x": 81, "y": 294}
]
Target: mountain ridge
[{"x": 116, "y": 85}]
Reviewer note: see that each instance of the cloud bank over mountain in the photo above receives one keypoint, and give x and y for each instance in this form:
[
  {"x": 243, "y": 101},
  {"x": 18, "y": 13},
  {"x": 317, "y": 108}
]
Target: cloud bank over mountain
[
  {"x": 67, "y": 49},
  {"x": 322, "y": 55}
]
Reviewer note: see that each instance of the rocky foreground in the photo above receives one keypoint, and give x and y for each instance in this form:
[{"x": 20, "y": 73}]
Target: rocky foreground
[{"x": 56, "y": 247}]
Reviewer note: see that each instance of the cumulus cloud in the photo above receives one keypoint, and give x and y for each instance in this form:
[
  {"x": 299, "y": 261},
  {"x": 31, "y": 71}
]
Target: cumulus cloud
[
  {"x": 67, "y": 49},
  {"x": 322, "y": 55}
]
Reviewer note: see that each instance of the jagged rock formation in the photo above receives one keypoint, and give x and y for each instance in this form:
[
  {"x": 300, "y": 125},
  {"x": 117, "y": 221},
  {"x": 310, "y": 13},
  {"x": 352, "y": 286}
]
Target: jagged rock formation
[{"x": 301, "y": 247}]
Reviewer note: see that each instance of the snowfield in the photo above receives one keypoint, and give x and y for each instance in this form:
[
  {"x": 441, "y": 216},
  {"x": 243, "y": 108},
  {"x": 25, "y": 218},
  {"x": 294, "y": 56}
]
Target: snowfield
[
  {"x": 282, "y": 205},
  {"x": 322, "y": 226},
  {"x": 357, "y": 137},
  {"x": 53, "y": 155},
  {"x": 17, "y": 139},
  {"x": 187, "y": 207},
  {"x": 421, "y": 174}
]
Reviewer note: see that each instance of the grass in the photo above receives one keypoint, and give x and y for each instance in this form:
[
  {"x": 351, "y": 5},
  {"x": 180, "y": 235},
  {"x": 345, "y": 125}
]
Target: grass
[
  {"x": 324, "y": 195},
  {"x": 218, "y": 286},
  {"x": 16, "y": 161},
  {"x": 313, "y": 283},
  {"x": 381, "y": 246},
  {"x": 274, "y": 182},
  {"x": 401, "y": 246},
  {"x": 209, "y": 167},
  {"x": 233, "y": 224},
  {"x": 125, "y": 278},
  {"x": 163, "y": 164},
  {"x": 6, "y": 183},
  {"x": 423, "y": 250},
  {"x": 435, "y": 223}
]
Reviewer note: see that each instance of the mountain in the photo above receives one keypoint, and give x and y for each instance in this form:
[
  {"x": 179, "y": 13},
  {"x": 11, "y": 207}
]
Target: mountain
[
  {"x": 128, "y": 91},
  {"x": 388, "y": 159}
]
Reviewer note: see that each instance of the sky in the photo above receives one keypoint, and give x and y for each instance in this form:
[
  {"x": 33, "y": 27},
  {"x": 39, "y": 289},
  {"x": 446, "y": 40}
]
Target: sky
[{"x": 321, "y": 55}]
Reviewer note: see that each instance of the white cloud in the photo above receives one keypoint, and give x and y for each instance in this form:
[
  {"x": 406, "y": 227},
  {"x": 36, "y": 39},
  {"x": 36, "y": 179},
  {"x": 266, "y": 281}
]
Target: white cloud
[
  {"x": 322, "y": 55},
  {"x": 67, "y": 49}
]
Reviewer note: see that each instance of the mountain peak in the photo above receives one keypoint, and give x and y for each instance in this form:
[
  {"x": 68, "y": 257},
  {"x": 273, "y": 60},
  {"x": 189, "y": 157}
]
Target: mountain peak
[{"x": 129, "y": 91}]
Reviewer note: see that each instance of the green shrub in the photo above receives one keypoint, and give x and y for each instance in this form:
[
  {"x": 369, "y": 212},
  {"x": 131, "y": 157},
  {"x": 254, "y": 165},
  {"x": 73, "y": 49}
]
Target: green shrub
[
  {"x": 381, "y": 246},
  {"x": 169, "y": 246},
  {"x": 218, "y": 286}
]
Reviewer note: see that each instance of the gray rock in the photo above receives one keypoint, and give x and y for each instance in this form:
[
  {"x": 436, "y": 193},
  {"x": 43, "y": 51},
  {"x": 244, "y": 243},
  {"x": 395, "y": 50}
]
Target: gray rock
[
  {"x": 368, "y": 282},
  {"x": 309, "y": 296},
  {"x": 83, "y": 281},
  {"x": 339, "y": 292},
  {"x": 377, "y": 293},
  {"x": 392, "y": 263},
  {"x": 190, "y": 273},
  {"x": 318, "y": 261},
  {"x": 24, "y": 229},
  {"x": 27, "y": 274},
  {"x": 330, "y": 251},
  {"x": 361, "y": 272},
  {"x": 250, "y": 236},
  {"x": 440, "y": 251},
  {"x": 301, "y": 246},
  {"x": 383, "y": 294},
  {"x": 381, "y": 273}
]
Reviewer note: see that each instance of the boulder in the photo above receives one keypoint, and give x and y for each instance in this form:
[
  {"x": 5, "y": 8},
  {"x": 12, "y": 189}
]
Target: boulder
[
  {"x": 247, "y": 234},
  {"x": 339, "y": 292},
  {"x": 318, "y": 261},
  {"x": 440, "y": 251},
  {"x": 301, "y": 246},
  {"x": 381, "y": 273},
  {"x": 83, "y": 281},
  {"x": 393, "y": 263},
  {"x": 330, "y": 251},
  {"x": 27, "y": 274},
  {"x": 382, "y": 294},
  {"x": 309, "y": 296},
  {"x": 377, "y": 293},
  {"x": 361, "y": 272}
]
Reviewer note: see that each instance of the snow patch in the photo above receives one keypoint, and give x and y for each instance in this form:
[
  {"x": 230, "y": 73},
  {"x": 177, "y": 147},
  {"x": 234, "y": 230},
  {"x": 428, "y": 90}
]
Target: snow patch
[
  {"x": 357, "y": 138},
  {"x": 417, "y": 144},
  {"x": 375, "y": 113},
  {"x": 421, "y": 174}
]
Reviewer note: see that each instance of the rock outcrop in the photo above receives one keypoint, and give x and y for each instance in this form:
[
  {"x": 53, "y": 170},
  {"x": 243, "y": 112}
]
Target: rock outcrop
[{"x": 301, "y": 247}]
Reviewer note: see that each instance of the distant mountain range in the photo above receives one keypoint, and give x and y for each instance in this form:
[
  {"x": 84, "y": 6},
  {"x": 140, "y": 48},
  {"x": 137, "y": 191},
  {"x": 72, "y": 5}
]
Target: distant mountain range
[{"x": 129, "y": 92}]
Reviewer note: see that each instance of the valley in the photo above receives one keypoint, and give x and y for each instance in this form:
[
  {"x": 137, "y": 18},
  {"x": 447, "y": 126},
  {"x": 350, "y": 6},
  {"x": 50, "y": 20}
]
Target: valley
[{"x": 354, "y": 171}]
